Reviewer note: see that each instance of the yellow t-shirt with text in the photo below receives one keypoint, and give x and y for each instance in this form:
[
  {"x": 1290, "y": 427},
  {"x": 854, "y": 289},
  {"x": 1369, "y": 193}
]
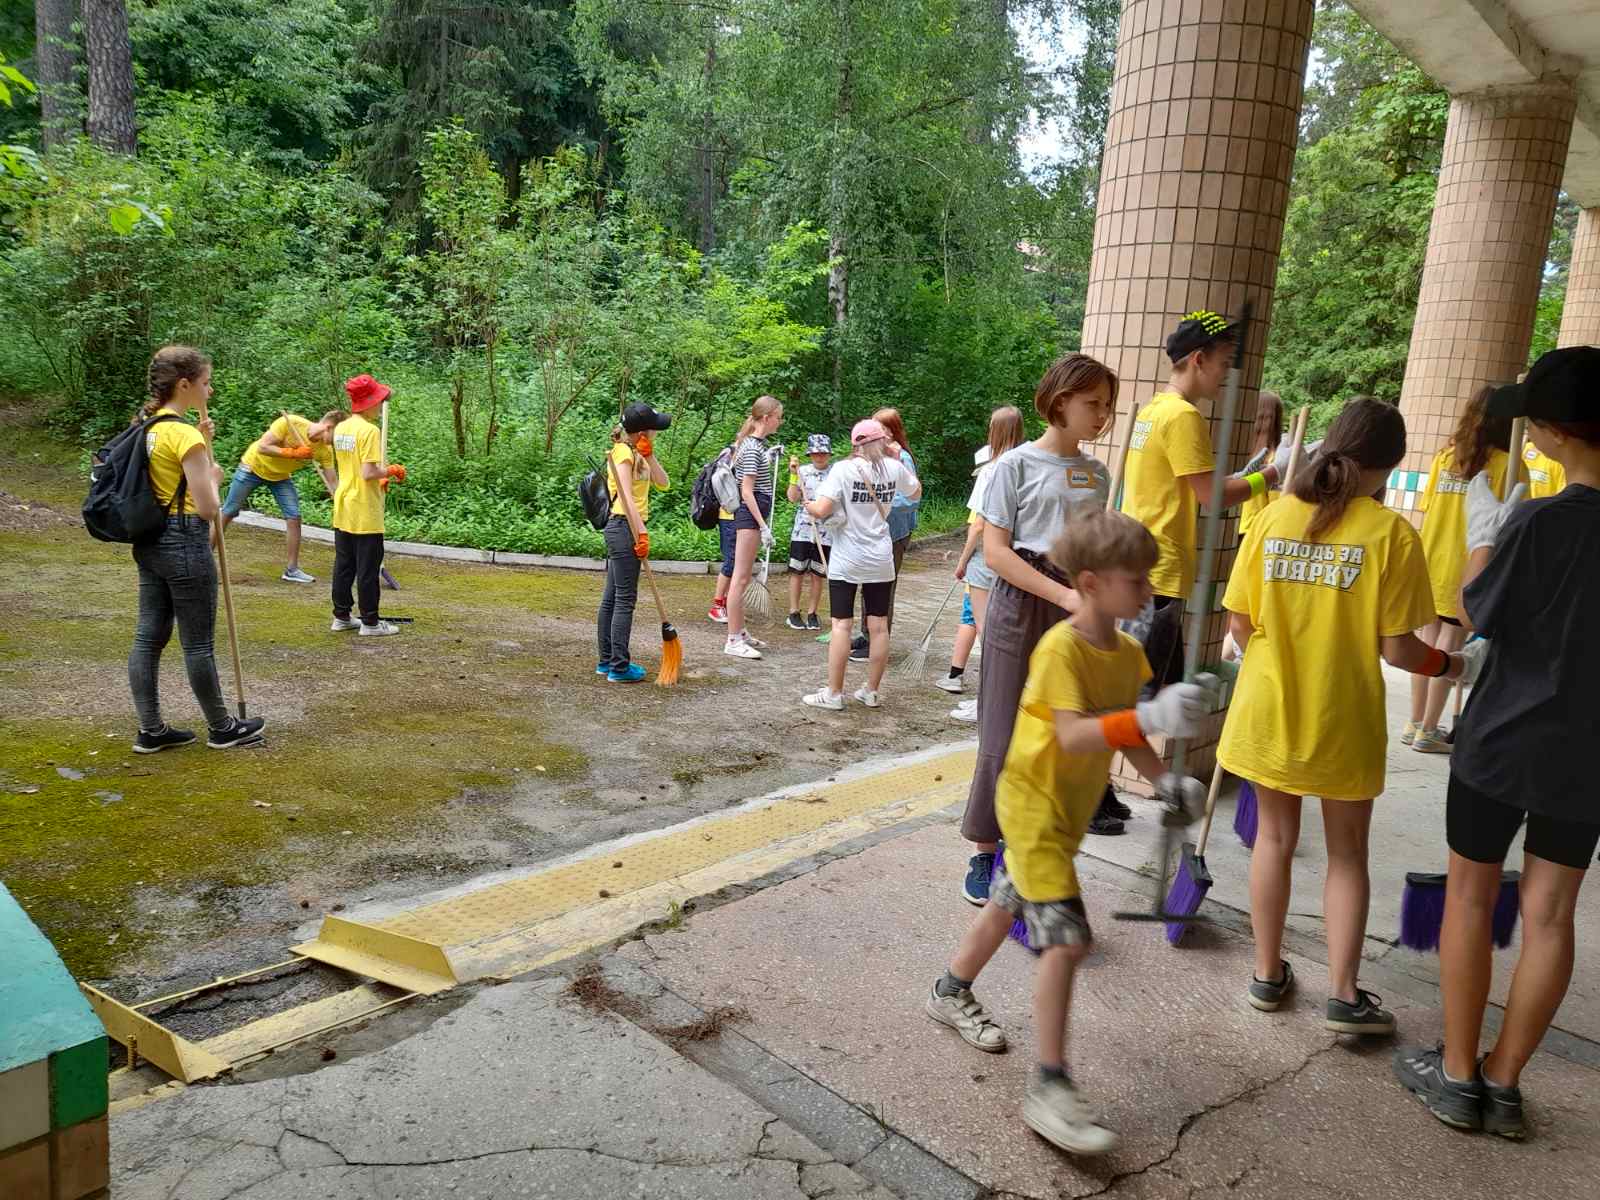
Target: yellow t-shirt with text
[
  {"x": 358, "y": 502},
  {"x": 273, "y": 468},
  {"x": 1253, "y": 508},
  {"x": 1546, "y": 477},
  {"x": 166, "y": 443},
  {"x": 1444, "y": 524},
  {"x": 1046, "y": 797},
  {"x": 621, "y": 452},
  {"x": 1308, "y": 710},
  {"x": 1170, "y": 440}
]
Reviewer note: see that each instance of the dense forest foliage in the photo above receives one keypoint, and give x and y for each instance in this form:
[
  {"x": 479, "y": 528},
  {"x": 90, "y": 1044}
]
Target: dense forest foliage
[{"x": 525, "y": 213}]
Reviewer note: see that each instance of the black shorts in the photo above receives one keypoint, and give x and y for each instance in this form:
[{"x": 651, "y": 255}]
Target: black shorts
[
  {"x": 874, "y": 599},
  {"x": 743, "y": 518},
  {"x": 1444, "y": 620},
  {"x": 805, "y": 556},
  {"x": 1482, "y": 830}
]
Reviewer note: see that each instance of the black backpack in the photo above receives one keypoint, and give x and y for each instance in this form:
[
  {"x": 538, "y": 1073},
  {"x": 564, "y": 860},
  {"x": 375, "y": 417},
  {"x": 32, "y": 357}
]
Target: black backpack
[
  {"x": 121, "y": 505},
  {"x": 705, "y": 505},
  {"x": 595, "y": 496}
]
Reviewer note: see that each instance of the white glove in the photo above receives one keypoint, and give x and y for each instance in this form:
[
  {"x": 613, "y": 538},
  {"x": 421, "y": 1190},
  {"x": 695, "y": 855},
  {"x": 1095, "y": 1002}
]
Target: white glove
[
  {"x": 1472, "y": 656},
  {"x": 1184, "y": 798},
  {"x": 1178, "y": 709},
  {"x": 1280, "y": 460},
  {"x": 766, "y": 537},
  {"x": 1486, "y": 512},
  {"x": 1254, "y": 463}
]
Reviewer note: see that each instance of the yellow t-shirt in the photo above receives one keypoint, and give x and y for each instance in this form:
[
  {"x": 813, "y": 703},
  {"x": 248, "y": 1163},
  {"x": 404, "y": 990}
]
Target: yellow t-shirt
[
  {"x": 1170, "y": 440},
  {"x": 1046, "y": 797},
  {"x": 166, "y": 443},
  {"x": 358, "y": 502},
  {"x": 642, "y": 483},
  {"x": 1253, "y": 508},
  {"x": 1546, "y": 477},
  {"x": 1308, "y": 710},
  {"x": 1444, "y": 527},
  {"x": 273, "y": 468}
]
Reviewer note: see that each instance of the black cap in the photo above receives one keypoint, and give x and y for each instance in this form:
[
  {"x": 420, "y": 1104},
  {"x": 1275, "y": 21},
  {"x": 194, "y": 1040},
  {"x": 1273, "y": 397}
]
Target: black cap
[
  {"x": 1197, "y": 331},
  {"x": 1564, "y": 385},
  {"x": 636, "y": 418}
]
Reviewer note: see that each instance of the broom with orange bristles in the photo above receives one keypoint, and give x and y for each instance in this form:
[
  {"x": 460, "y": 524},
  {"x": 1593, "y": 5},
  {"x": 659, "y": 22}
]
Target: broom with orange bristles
[{"x": 671, "y": 643}]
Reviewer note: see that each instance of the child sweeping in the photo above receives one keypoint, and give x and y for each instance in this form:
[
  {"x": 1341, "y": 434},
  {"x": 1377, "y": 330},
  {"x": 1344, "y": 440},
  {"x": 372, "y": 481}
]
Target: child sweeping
[
  {"x": 1080, "y": 707},
  {"x": 632, "y": 470},
  {"x": 1326, "y": 582},
  {"x": 1478, "y": 444},
  {"x": 358, "y": 505},
  {"x": 1005, "y": 432},
  {"x": 1033, "y": 490},
  {"x": 860, "y": 491},
  {"x": 177, "y": 573},
  {"x": 1525, "y": 750},
  {"x": 752, "y": 466},
  {"x": 808, "y": 540},
  {"x": 290, "y": 443}
]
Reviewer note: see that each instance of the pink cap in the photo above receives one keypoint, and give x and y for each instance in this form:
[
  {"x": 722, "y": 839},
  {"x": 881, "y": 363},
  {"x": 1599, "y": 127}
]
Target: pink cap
[{"x": 867, "y": 431}]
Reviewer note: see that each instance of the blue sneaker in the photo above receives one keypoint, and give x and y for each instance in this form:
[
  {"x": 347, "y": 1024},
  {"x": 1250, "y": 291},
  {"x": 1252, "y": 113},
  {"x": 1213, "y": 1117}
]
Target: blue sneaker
[
  {"x": 602, "y": 668},
  {"x": 632, "y": 673},
  {"x": 980, "y": 870}
]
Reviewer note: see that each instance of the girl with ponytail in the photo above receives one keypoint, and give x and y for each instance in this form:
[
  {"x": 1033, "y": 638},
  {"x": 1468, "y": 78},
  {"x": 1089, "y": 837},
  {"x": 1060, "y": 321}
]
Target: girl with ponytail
[
  {"x": 754, "y": 469},
  {"x": 1326, "y": 583}
]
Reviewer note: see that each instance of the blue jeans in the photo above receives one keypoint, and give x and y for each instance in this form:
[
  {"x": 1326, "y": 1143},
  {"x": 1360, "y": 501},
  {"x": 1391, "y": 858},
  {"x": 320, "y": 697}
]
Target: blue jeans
[
  {"x": 614, "y": 623},
  {"x": 727, "y": 541},
  {"x": 177, "y": 584},
  {"x": 246, "y": 481}
]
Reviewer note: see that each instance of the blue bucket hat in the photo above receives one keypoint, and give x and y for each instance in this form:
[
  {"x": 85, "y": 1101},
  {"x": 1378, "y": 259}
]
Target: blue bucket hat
[{"x": 819, "y": 443}]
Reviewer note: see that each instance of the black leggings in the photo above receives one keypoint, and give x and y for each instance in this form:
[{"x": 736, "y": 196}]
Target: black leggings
[
  {"x": 356, "y": 559},
  {"x": 1482, "y": 830}
]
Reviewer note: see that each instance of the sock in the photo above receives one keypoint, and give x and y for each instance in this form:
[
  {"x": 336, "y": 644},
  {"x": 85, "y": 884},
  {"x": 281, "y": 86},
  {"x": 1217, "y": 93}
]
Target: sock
[
  {"x": 1049, "y": 1073},
  {"x": 1449, "y": 1078},
  {"x": 957, "y": 672},
  {"x": 949, "y": 985}
]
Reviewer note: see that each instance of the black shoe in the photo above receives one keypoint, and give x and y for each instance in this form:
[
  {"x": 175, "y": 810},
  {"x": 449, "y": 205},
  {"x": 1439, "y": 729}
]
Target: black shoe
[
  {"x": 1268, "y": 994},
  {"x": 237, "y": 733},
  {"x": 1111, "y": 805},
  {"x": 165, "y": 738},
  {"x": 860, "y": 649},
  {"x": 1459, "y": 1105},
  {"x": 1366, "y": 1016},
  {"x": 812, "y": 623},
  {"x": 1106, "y": 826},
  {"x": 1502, "y": 1108},
  {"x": 795, "y": 621}
]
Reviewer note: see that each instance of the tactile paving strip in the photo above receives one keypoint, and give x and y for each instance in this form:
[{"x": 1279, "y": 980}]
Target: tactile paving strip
[{"x": 504, "y": 907}]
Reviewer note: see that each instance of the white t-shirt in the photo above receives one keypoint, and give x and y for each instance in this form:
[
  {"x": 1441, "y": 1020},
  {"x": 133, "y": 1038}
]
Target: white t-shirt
[
  {"x": 806, "y": 527},
  {"x": 863, "y": 552},
  {"x": 1031, "y": 492},
  {"x": 980, "y": 489}
]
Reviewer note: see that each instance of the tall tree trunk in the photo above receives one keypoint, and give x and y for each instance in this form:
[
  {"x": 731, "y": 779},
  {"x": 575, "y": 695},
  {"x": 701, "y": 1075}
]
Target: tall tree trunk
[
  {"x": 458, "y": 413},
  {"x": 54, "y": 58},
  {"x": 838, "y": 219},
  {"x": 105, "y": 31},
  {"x": 705, "y": 160}
]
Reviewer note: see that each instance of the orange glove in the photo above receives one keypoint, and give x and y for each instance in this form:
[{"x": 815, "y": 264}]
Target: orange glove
[
  {"x": 641, "y": 546},
  {"x": 383, "y": 484},
  {"x": 294, "y": 452},
  {"x": 646, "y": 448},
  {"x": 397, "y": 472}
]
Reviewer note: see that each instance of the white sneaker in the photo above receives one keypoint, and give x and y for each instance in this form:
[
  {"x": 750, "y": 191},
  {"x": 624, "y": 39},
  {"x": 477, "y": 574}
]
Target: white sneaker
[
  {"x": 1058, "y": 1113},
  {"x": 296, "y": 575},
  {"x": 751, "y": 640},
  {"x": 955, "y": 686},
  {"x": 740, "y": 648},
  {"x": 832, "y": 701},
  {"x": 967, "y": 711},
  {"x": 965, "y": 1015},
  {"x": 868, "y": 697},
  {"x": 381, "y": 629},
  {"x": 343, "y": 625}
]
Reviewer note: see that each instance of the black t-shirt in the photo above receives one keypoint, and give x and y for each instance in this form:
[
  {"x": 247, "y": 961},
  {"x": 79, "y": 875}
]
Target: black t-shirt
[{"x": 1530, "y": 731}]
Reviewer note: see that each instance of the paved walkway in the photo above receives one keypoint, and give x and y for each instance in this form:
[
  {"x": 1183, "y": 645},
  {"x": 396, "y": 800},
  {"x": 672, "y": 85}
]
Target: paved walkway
[{"x": 773, "y": 1044}]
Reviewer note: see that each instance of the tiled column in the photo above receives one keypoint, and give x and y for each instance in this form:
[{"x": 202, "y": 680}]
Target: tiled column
[
  {"x": 1580, "y": 317},
  {"x": 1504, "y": 153},
  {"x": 1205, "y": 109}
]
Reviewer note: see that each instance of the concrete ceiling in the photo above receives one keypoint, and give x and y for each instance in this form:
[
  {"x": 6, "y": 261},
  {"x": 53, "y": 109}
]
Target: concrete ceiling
[{"x": 1474, "y": 45}]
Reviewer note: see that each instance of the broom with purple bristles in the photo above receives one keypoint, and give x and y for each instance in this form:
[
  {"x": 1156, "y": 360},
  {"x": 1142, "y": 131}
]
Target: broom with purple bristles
[
  {"x": 1019, "y": 930},
  {"x": 1192, "y": 880}
]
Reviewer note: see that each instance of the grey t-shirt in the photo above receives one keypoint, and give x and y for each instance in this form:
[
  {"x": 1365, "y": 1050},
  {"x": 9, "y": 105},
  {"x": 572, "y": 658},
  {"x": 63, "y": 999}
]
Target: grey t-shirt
[
  {"x": 1528, "y": 734},
  {"x": 1031, "y": 492}
]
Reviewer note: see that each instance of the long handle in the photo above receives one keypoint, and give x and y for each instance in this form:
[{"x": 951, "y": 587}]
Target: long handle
[
  {"x": 1297, "y": 431},
  {"x": 1112, "y": 500},
  {"x": 227, "y": 584},
  {"x": 1211, "y": 807},
  {"x": 942, "y": 605},
  {"x": 289, "y": 425},
  {"x": 650, "y": 575},
  {"x": 383, "y": 438},
  {"x": 1519, "y": 434}
]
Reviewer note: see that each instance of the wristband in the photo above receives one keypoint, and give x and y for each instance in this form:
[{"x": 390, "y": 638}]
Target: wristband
[
  {"x": 1258, "y": 483},
  {"x": 1436, "y": 664},
  {"x": 1121, "y": 730},
  {"x": 794, "y": 480}
]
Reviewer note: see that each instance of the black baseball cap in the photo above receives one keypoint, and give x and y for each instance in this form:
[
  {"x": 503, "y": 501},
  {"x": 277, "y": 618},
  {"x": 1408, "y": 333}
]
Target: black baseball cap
[
  {"x": 636, "y": 418},
  {"x": 1198, "y": 331},
  {"x": 1564, "y": 385}
]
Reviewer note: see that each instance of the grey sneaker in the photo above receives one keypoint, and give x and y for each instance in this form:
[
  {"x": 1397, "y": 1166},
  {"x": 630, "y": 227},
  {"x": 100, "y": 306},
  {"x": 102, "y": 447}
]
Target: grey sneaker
[
  {"x": 1456, "y": 1104},
  {"x": 1365, "y": 1016},
  {"x": 343, "y": 625},
  {"x": 380, "y": 629},
  {"x": 1058, "y": 1113},
  {"x": 1268, "y": 995},
  {"x": 296, "y": 575},
  {"x": 966, "y": 1016},
  {"x": 1502, "y": 1109}
]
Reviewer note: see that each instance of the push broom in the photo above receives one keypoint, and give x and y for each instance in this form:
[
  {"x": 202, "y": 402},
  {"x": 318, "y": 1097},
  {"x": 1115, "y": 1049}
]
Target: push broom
[
  {"x": 1246, "y": 818},
  {"x": 227, "y": 585},
  {"x": 671, "y": 643},
  {"x": 1423, "y": 898}
]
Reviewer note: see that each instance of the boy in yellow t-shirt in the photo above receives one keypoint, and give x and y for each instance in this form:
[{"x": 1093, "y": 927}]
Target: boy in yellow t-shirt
[
  {"x": 1079, "y": 707},
  {"x": 358, "y": 509},
  {"x": 290, "y": 442}
]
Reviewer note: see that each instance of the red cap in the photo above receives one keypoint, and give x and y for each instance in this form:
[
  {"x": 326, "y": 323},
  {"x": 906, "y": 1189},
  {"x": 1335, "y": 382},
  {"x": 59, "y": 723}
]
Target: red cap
[{"x": 365, "y": 392}]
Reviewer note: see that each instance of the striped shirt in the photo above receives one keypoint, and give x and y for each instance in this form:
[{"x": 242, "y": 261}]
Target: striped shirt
[{"x": 752, "y": 459}]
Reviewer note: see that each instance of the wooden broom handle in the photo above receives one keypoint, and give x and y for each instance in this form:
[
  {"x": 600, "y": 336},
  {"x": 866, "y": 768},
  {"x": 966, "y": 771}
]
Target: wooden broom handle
[
  {"x": 1122, "y": 459},
  {"x": 383, "y": 438},
  {"x": 1211, "y": 807},
  {"x": 227, "y": 583},
  {"x": 289, "y": 425},
  {"x": 1519, "y": 437},
  {"x": 1297, "y": 432}
]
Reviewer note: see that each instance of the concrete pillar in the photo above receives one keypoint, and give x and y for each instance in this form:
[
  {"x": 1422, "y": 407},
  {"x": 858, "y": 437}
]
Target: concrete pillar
[
  {"x": 1504, "y": 154},
  {"x": 1205, "y": 109},
  {"x": 1580, "y": 316}
]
